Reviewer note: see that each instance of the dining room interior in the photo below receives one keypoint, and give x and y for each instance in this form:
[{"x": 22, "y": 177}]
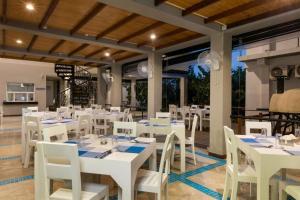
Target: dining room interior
[{"x": 149, "y": 99}]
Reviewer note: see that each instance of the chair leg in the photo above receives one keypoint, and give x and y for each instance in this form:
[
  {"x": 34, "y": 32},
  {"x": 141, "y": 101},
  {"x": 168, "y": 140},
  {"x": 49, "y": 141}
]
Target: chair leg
[
  {"x": 27, "y": 156},
  {"x": 227, "y": 187},
  {"x": 275, "y": 190},
  {"x": 166, "y": 191},
  {"x": 234, "y": 188},
  {"x": 194, "y": 154}
]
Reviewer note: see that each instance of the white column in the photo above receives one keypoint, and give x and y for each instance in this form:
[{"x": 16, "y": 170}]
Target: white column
[
  {"x": 220, "y": 93},
  {"x": 133, "y": 92},
  {"x": 183, "y": 91},
  {"x": 116, "y": 85},
  {"x": 101, "y": 87},
  {"x": 154, "y": 83}
]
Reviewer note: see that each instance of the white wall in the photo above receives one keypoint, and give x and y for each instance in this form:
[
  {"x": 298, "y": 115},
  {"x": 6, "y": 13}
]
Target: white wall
[
  {"x": 259, "y": 87},
  {"x": 27, "y": 72}
]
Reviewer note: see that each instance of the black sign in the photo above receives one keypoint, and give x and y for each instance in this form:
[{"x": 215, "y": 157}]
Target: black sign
[{"x": 63, "y": 70}]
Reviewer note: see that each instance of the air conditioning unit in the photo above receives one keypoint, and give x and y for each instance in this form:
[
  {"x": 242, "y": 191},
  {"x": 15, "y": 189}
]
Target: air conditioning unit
[
  {"x": 297, "y": 71},
  {"x": 279, "y": 72}
]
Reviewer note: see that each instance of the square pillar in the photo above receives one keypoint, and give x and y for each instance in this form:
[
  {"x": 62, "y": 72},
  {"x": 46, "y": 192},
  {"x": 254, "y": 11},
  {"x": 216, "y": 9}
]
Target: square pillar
[
  {"x": 101, "y": 87},
  {"x": 116, "y": 85},
  {"x": 154, "y": 83},
  {"x": 183, "y": 91},
  {"x": 220, "y": 93}
]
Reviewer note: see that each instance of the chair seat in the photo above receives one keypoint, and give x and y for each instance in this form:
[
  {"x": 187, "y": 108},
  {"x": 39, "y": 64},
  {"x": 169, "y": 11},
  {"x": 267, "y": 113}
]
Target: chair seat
[
  {"x": 293, "y": 190},
  {"x": 149, "y": 181},
  {"x": 90, "y": 191},
  {"x": 246, "y": 174}
]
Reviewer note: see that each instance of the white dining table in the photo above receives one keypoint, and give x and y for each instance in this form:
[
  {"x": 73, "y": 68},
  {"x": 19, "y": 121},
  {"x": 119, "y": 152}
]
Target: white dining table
[
  {"x": 177, "y": 126},
  {"x": 120, "y": 165},
  {"x": 268, "y": 160},
  {"x": 44, "y": 116}
]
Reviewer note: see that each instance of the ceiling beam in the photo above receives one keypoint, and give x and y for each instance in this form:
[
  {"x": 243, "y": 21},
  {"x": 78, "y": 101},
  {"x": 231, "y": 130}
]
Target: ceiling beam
[
  {"x": 96, "y": 52},
  {"x": 117, "y": 25},
  {"x": 56, "y": 46},
  {"x": 59, "y": 60},
  {"x": 235, "y": 10},
  {"x": 4, "y": 10},
  {"x": 265, "y": 15},
  {"x": 198, "y": 6},
  {"x": 94, "y": 11},
  {"x": 158, "y": 2},
  {"x": 81, "y": 47},
  {"x": 31, "y": 43},
  {"x": 168, "y": 34},
  {"x": 50, "y": 10},
  {"x": 142, "y": 31},
  {"x": 62, "y": 35},
  {"x": 22, "y": 51},
  {"x": 3, "y": 37},
  {"x": 165, "y": 13},
  {"x": 197, "y": 35}
]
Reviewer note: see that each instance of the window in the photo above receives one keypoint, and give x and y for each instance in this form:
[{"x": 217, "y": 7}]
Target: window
[{"x": 20, "y": 92}]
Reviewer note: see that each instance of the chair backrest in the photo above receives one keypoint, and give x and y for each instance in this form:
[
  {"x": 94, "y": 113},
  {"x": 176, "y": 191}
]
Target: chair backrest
[
  {"x": 33, "y": 126},
  {"x": 125, "y": 127},
  {"x": 62, "y": 111},
  {"x": 173, "y": 111},
  {"x": 84, "y": 122},
  {"x": 207, "y": 109},
  {"x": 78, "y": 107},
  {"x": 33, "y": 109},
  {"x": 163, "y": 115},
  {"x": 185, "y": 111},
  {"x": 77, "y": 113},
  {"x": 159, "y": 126},
  {"x": 115, "y": 109},
  {"x": 194, "y": 106},
  {"x": 251, "y": 126},
  {"x": 59, "y": 131},
  {"x": 69, "y": 169},
  {"x": 125, "y": 114},
  {"x": 194, "y": 126},
  {"x": 164, "y": 166},
  {"x": 129, "y": 117},
  {"x": 96, "y": 106},
  {"x": 231, "y": 149}
]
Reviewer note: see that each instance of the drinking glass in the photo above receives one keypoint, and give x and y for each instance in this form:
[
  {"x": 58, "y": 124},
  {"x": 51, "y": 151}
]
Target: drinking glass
[{"x": 277, "y": 140}]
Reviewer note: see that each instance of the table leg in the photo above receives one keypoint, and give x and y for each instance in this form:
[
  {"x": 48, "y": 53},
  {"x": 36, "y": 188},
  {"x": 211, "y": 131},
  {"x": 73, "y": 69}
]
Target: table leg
[
  {"x": 262, "y": 187},
  {"x": 23, "y": 141},
  {"x": 182, "y": 154},
  {"x": 153, "y": 161}
]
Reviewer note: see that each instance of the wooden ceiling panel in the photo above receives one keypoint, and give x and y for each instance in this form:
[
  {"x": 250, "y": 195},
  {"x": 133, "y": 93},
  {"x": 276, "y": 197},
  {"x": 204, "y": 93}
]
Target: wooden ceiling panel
[
  {"x": 106, "y": 18},
  {"x": 44, "y": 43},
  {"x": 12, "y": 36},
  {"x": 69, "y": 12},
  {"x": 67, "y": 47},
  {"x": 158, "y": 31},
  {"x": 16, "y": 10},
  {"x": 90, "y": 49},
  {"x": 173, "y": 38},
  {"x": 275, "y": 4},
  {"x": 125, "y": 55},
  {"x": 33, "y": 57},
  {"x": 131, "y": 27}
]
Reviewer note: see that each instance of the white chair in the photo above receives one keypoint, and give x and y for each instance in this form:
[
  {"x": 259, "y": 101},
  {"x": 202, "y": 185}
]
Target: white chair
[
  {"x": 96, "y": 106},
  {"x": 84, "y": 124},
  {"x": 62, "y": 112},
  {"x": 100, "y": 122},
  {"x": 159, "y": 126},
  {"x": 194, "y": 106},
  {"x": 206, "y": 114},
  {"x": 59, "y": 132},
  {"x": 33, "y": 109},
  {"x": 186, "y": 115},
  {"x": 255, "y": 125},
  {"x": 233, "y": 174},
  {"x": 33, "y": 133},
  {"x": 173, "y": 111},
  {"x": 163, "y": 115},
  {"x": 115, "y": 109},
  {"x": 292, "y": 190},
  {"x": 129, "y": 117},
  {"x": 53, "y": 169},
  {"x": 157, "y": 182},
  {"x": 191, "y": 140},
  {"x": 126, "y": 128},
  {"x": 125, "y": 115}
]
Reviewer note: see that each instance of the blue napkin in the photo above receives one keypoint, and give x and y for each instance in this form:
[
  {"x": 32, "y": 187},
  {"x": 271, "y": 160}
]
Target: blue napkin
[
  {"x": 81, "y": 152},
  {"x": 71, "y": 142},
  {"x": 249, "y": 140},
  {"x": 135, "y": 149}
]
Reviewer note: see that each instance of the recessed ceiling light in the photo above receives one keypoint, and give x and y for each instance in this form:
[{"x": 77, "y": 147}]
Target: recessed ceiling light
[
  {"x": 86, "y": 34},
  {"x": 153, "y": 36},
  {"x": 107, "y": 54},
  {"x": 18, "y": 41},
  {"x": 45, "y": 27},
  {"x": 29, "y": 6}
]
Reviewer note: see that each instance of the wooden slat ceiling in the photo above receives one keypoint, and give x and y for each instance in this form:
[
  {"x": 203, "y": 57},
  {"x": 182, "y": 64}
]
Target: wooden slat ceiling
[
  {"x": 231, "y": 12},
  {"x": 84, "y": 17},
  {"x": 93, "y": 19}
]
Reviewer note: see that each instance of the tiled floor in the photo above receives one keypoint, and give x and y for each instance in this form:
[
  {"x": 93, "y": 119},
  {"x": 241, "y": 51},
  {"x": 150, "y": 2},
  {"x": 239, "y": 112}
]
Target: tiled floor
[{"x": 202, "y": 182}]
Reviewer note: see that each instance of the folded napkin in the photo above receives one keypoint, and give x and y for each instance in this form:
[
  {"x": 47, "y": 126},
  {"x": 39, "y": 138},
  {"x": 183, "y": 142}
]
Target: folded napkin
[
  {"x": 130, "y": 149},
  {"x": 249, "y": 140}
]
